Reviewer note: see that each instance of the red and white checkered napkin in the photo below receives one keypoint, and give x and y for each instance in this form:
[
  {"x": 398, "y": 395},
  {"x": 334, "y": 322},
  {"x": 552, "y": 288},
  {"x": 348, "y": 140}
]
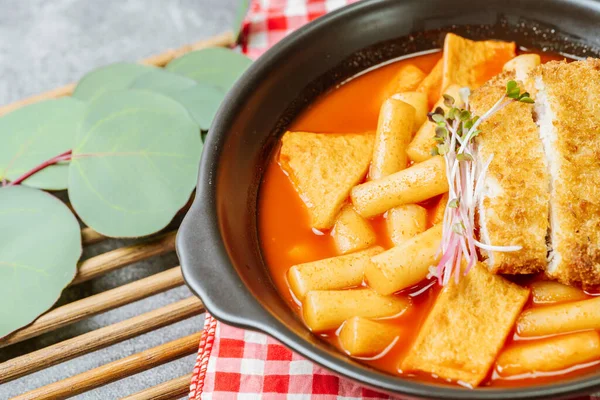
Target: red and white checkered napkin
[
  {"x": 239, "y": 364},
  {"x": 234, "y": 363},
  {"x": 269, "y": 21}
]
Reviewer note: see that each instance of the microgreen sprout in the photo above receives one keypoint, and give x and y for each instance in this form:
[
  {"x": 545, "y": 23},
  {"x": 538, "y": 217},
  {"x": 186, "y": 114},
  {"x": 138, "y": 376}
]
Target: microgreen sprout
[{"x": 454, "y": 133}]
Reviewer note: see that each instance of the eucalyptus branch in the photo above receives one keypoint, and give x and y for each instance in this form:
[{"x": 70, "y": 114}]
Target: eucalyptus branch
[{"x": 66, "y": 156}]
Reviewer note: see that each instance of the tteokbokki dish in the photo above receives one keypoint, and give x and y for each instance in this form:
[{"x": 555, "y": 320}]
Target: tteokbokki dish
[{"x": 438, "y": 217}]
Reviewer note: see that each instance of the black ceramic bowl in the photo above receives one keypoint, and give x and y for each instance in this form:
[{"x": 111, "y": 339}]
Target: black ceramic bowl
[{"x": 218, "y": 242}]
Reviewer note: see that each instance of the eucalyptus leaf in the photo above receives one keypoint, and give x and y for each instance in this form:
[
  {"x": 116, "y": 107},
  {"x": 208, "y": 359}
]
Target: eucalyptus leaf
[
  {"x": 40, "y": 243},
  {"x": 215, "y": 66},
  {"x": 162, "y": 81},
  {"x": 201, "y": 100},
  {"x": 111, "y": 77},
  {"x": 33, "y": 134},
  {"x": 240, "y": 13},
  {"x": 134, "y": 164}
]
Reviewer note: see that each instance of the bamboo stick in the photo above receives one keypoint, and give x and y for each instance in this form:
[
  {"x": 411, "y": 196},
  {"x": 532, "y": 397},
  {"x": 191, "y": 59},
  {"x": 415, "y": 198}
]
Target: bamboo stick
[
  {"x": 96, "y": 304},
  {"x": 115, "y": 370},
  {"x": 98, "y": 339},
  {"x": 159, "y": 60},
  {"x": 118, "y": 258},
  {"x": 173, "y": 389},
  {"x": 90, "y": 236}
]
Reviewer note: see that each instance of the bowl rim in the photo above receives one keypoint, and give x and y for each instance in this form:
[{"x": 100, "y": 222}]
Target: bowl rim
[{"x": 241, "y": 309}]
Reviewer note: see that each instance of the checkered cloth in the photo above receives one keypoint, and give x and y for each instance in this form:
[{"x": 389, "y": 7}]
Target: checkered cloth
[
  {"x": 234, "y": 363},
  {"x": 239, "y": 364},
  {"x": 269, "y": 21}
]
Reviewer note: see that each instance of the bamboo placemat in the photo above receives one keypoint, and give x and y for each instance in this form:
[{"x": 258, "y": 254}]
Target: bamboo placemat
[{"x": 81, "y": 309}]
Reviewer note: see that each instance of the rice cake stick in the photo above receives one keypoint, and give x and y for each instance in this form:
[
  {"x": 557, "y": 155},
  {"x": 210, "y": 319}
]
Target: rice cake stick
[
  {"x": 546, "y": 292},
  {"x": 362, "y": 337},
  {"x": 331, "y": 273},
  {"x": 412, "y": 185},
  {"x": 420, "y": 148},
  {"x": 404, "y": 222},
  {"x": 419, "y": 101},
  {"x": 560, "y": 318},
  {"x": 408, "y": 78},
  {"x": 405, "y": 265},
  {"x": 394, "y": 132},
  {"x": 327, "y": 309},
  {"x": 523, "y": 65},
  {"x": 551, "y": 354},
  {"x": 352, "y": 232}
]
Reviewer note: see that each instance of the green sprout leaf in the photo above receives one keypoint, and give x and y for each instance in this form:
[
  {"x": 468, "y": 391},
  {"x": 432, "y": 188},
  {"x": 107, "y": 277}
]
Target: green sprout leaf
[
  {"x": 464, "y": 115},
  {"x": 441, "y": 133},
  {"x": 215, "y": 66},
  {"x": 36, "y": 133},
  {"x": 112, "y": 77},
  {"x": 135, "y": 163},
  {"x": 464, "y": 157},
  {"x": 458, "y": 228},
  {"x": 453, "y": 203},
  {"x": 442, "y": 148},
  {"x": 40, "y": 243},
  {"x": 448, "y": 100},
  {"x": 451, "y": 114},
  {"x": 438, "y": 118}
]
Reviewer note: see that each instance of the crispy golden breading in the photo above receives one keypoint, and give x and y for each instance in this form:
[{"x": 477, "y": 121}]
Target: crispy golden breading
[
  {"x": 472, "y": 63},
  {"x": 467, "y": 327},
  {"x": 323, "y": 168},
  {"x": 514, "y": 209},
  {"x": 568, "y": 112}
]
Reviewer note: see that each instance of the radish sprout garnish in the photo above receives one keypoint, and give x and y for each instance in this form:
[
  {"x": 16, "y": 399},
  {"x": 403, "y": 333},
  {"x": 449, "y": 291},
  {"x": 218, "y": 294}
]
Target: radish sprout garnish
[{"x": 456, "y": 128}]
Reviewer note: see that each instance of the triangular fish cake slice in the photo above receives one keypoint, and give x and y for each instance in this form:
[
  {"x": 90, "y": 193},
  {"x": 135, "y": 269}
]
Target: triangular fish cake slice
[
  {"x": 323, "y": 167},
  {"x": 470, "y": 63},
  {"x": 467, "y": 327}
]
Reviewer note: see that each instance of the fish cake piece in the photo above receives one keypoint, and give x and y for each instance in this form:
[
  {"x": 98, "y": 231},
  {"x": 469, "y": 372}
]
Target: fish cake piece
[
  {"x": 567, "y": 101},
  {"x": 467, "y": 327},
  {"x": 472, "y": 63},
  {"x": 515, "y": 200},
  {"x": 323, "y": 168}
]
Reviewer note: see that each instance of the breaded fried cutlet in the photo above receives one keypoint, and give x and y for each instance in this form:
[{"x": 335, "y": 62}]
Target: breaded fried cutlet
[
  {"x": 514, "y": 205},
  {"x": 568, "y": 114}
]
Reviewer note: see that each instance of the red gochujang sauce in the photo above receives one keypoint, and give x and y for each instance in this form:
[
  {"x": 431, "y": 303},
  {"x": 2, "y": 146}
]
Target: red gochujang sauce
[{"x": 288, "y": 239}]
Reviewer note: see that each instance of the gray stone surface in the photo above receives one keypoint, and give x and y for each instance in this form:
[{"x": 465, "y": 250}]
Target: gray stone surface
[{"x": 48, "y": 43}]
